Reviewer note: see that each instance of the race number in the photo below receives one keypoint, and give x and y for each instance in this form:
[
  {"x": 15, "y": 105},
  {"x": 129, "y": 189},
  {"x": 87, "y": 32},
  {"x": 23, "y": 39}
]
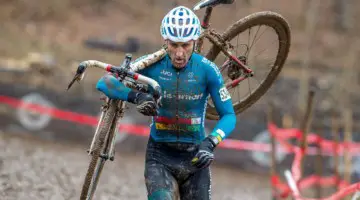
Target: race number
[{"x": 224, "y": 94}]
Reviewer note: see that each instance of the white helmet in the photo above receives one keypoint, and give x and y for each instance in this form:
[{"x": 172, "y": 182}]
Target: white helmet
[{"x": 180, "y": 25}]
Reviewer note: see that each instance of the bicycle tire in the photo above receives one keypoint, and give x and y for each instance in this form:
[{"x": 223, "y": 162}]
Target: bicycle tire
[
  {"x": 96, "y": 161},
  {"x": 282, "y": 28}
]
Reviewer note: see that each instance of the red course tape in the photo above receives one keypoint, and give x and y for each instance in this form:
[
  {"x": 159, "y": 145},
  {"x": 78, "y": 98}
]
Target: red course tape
[
  {"x": 133, "y": 129},
  {"x": 281, "y": 135}
]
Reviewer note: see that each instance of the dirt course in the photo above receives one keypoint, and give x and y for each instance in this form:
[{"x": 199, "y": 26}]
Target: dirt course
[{"x": 41, "y": 170}]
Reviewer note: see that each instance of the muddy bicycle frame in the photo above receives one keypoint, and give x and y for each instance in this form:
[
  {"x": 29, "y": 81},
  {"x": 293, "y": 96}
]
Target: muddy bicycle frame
[{"x": 218, "y": 40}]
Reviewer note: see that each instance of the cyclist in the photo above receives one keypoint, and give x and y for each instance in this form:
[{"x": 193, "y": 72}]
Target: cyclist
[{"x": 178, "y": 152}]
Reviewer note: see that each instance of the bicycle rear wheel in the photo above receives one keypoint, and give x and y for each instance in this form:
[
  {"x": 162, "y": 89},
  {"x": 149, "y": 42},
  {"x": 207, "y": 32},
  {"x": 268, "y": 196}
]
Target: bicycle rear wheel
[
  {"x": 103, "y": 140},
  {"x": 279, "y": 27}
]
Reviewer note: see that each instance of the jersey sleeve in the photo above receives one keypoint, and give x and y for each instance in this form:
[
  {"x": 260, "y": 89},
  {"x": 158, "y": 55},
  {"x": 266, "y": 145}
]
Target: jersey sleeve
[{"x": 222, "y": 101}]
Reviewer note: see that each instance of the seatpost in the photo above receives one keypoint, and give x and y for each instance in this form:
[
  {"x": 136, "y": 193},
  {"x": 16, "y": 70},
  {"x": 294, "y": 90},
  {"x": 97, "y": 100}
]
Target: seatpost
[
  {"x": 205, "y": 25},
  {"x": 206, "y": 19}
]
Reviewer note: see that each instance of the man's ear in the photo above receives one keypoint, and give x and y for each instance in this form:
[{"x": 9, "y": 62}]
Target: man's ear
[{"x": 165, "y": 44}]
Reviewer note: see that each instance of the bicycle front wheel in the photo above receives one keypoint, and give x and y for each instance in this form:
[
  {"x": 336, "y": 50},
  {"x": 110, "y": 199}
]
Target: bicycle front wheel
[
  {"x": 264, "y": 54},
  {"x": 106, "y": 125}
]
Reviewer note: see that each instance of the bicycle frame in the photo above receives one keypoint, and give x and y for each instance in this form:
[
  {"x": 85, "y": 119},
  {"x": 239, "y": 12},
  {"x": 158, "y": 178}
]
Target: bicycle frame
[{"x": 217, "y": 40}]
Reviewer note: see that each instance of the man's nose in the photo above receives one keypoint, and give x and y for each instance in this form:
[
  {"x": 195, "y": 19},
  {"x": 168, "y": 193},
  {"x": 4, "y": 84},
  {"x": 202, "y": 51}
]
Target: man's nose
[{"x": 179, "y": 52}]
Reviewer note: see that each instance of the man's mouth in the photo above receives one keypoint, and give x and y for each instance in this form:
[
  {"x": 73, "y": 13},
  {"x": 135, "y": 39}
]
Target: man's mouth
[{"x": 179, "y": 61}]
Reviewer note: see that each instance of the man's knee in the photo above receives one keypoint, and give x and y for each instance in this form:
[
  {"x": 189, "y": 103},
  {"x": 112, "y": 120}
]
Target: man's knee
[
  {"x": 160, "y": 183},
  {"x": 162, "y": 194}
]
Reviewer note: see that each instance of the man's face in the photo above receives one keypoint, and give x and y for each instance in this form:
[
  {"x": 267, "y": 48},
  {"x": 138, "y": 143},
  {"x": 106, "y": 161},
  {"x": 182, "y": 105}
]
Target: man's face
[{"x": 180, "y": 52}]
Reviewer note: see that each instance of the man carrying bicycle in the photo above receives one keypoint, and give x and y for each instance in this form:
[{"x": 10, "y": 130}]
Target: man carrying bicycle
[{"x": 179, "y": 153}]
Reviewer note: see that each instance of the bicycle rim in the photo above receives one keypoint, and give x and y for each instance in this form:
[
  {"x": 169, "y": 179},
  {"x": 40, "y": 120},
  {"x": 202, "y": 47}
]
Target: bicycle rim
[
  {"x": 281, "y": 29},
  {"x": 96, "y": 163}
]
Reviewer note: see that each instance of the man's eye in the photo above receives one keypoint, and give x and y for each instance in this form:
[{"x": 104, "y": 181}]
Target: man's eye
[{"x": 173, "y": 45}]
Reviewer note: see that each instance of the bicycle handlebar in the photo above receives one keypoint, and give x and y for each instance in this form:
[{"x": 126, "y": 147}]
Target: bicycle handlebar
[{"x": 125, "y": 70}]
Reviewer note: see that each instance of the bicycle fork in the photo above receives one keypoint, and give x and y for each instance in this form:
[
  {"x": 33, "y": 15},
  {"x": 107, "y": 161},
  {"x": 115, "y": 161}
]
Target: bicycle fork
[
  {"x": 108, "y": 152},
  {"x": 119, "y": 115},
  {"x": 103, "y": 110}
]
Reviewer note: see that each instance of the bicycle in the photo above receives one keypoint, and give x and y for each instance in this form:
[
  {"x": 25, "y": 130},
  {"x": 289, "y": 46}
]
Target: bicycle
[
  {"x": 102, "y": 146},
  {"x": 235, "y": 68}
]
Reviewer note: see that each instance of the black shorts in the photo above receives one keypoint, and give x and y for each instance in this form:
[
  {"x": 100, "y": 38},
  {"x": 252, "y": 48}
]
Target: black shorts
[{"x": 168, "y": 172}]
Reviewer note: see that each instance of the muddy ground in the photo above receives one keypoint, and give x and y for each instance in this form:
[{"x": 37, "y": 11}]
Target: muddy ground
[{"x": 41, "y": 170}]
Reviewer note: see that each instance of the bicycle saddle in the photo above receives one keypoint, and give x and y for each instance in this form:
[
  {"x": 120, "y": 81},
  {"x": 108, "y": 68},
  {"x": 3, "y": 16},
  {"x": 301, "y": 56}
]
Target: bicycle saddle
[{"x": 206, "y": 3}]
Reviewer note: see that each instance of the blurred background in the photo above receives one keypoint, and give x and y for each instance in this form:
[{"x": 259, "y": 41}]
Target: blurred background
[{"x": 43, "y": 41}]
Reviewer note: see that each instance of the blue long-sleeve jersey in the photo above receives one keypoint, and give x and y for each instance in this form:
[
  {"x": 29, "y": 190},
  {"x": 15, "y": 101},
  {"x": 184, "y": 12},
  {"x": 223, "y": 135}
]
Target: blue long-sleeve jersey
[{"x": 182, "y": 114}]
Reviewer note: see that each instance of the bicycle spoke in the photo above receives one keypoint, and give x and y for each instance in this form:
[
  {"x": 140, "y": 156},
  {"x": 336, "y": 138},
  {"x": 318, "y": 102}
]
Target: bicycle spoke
[
  {"x": 265, "y": 66},
  {"x": 248, "y": 44},
  {"x": 264, "y": 62},
  {"x": 256, "y": 55},
  {"x": 259, "y": 82},
  {"x": 238, "y": 91},
  {"x": 237, "y": 43},
  {"x": 249, "y": 85},
  {"x": 231, "y": 92},
  {"x": 254, "y": 41}
]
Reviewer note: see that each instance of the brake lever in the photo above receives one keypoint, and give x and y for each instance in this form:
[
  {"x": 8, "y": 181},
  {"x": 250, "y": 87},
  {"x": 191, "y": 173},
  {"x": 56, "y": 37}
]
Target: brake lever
[{"x": 78, "y": 76}]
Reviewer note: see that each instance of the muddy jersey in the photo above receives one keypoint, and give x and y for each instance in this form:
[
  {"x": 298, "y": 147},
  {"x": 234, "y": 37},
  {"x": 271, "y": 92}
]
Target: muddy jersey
[{"x": 184, "y": 98}]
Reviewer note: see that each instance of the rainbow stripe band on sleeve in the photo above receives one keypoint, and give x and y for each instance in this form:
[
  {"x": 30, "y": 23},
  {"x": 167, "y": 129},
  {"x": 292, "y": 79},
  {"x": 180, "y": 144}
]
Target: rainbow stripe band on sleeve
[{"x": 219, "y": 134}]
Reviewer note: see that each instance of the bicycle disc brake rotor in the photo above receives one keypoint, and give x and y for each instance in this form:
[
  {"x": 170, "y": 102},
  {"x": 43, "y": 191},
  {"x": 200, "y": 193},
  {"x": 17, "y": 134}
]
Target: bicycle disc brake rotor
[{"x": 234, "y": 71}]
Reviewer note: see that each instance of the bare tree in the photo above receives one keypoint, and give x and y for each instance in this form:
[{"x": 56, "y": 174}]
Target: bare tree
[
  {"x": 310, "y": 23},
  {"x": 343, "y": 13}
]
